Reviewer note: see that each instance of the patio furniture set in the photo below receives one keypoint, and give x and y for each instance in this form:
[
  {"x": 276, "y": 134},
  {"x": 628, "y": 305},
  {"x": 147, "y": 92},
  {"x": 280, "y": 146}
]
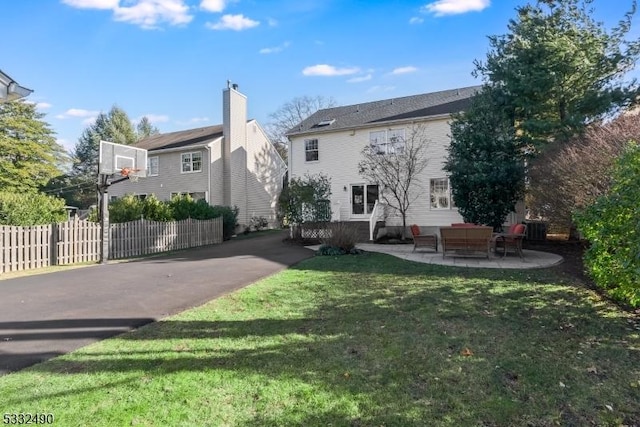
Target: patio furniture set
[{"x": 464, "y": 239}]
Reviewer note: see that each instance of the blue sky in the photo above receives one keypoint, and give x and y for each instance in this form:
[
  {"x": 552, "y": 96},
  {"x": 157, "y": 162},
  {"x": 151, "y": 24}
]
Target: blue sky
[{"x": 171, "y": 59}]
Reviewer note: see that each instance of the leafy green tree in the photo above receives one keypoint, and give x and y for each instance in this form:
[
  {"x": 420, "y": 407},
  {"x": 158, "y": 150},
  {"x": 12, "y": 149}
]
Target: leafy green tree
[
  {"x": 558, "y": 69},
  {"x": 485, "y": 165},
  {"x": 306, "y": 199},
  {"x": 611, "y": 226},
  {"x": 29, "y": 153},
  {"x": 145, "y": 129},
  {"x": 25, "y": 209}
]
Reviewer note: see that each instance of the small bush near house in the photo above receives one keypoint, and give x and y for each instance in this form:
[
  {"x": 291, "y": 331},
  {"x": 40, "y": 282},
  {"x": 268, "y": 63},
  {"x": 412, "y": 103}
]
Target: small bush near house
[
  {"x": 25, "y": 209},
  {"x": 229, "y": 219},
  {"x": 156, "y": 210},
  {"x": 612, "y": 226},
  {"x": 342, "y": 238},
  {"x": 259, "y": 222}
]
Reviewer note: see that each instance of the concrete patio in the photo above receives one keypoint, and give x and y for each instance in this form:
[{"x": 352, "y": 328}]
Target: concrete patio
[{"x": 532, "y": 259}]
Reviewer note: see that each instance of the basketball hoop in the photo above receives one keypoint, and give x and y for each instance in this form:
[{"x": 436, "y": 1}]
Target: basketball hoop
[{"x": 130, "y": 173}]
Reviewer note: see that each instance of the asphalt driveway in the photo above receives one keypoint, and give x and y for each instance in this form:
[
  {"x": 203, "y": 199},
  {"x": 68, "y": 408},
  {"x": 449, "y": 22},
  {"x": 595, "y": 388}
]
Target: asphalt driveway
[{"x": 46, "y": 315}]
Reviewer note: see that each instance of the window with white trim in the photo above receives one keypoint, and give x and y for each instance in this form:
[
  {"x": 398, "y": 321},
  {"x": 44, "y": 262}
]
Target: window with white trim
[
  {"x": 387, "y": 141},
  {"x": 152, "y": 166},
  {"x": 440, "y": 193},
  {"x": 311, "y": 150},
  {"x": 191, "y": 162}
]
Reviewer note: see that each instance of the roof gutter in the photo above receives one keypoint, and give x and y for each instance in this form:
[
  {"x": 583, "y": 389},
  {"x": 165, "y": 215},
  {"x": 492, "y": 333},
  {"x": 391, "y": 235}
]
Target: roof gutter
[
  {"x": 183, "y": 148},
  {"x": 373, "y": 124},
  {"x": 12, "y": 90}
]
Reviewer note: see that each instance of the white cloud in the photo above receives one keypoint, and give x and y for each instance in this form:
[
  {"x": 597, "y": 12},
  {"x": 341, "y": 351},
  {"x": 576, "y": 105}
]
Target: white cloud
[
  {"x": 328, "y": 70},
  {"x": 43, "y": 105},
  {"x": 404, "y": 70},
  {"x": 92, "y": 4},
  {"x": 454, "y": 7},
  {"x": 272, "y": 22},
  {"x": 145, "y": 13},
  {"x": 360, "y": 79},
  {"x": 198, "y": 119},
  {"x": 89, "y": 121},
  {"x": 233, "y": 22},
  {"x": 276, "y": 49},
  {"x": 77, "y": 113},
  {"x": 416, "y": 20},
  {"x": 374, "y": 89},
  {"x": 149, "y": 13},
  {"x": 213, "y": 5}
]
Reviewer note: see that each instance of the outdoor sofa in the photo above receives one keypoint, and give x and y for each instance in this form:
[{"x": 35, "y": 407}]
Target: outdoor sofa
[{"x": 466, "y": 240}]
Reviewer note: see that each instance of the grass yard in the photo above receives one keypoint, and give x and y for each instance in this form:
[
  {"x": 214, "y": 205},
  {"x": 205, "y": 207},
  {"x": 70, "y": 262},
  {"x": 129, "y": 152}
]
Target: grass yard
[{"x": 366, "y": 340}]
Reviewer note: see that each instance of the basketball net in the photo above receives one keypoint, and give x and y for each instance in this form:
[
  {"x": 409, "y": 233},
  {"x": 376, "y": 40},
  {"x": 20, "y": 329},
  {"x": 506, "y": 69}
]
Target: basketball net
[{"x": 130, "y": 173}]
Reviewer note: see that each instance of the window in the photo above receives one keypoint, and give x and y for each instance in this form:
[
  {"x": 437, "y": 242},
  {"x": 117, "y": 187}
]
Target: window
[
  {"x": 440, "y": 194},
  {"x": 191, "y": 162},
  {"x": 387, "y": 141},
  {"x": 152, "y": 166},
  {"x": 363, "y": 198},
  {"x": 140, "y": 196},
  {"x": 311, "y": 150}
]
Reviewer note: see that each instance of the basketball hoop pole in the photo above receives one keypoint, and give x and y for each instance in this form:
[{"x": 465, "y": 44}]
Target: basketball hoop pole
[{"x": 103, "y": 191}]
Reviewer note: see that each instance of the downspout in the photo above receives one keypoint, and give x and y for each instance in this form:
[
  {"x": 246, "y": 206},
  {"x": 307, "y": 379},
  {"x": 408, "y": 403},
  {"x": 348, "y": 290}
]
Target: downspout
[{"x": 208, "y": 146}]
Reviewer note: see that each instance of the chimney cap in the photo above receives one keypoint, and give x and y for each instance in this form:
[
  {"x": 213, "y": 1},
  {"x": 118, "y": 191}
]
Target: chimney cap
[{"x": 234, "y": 86}]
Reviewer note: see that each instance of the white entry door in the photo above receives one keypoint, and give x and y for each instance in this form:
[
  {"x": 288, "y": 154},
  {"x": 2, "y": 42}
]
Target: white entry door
[{"x": 363, "y": 198}]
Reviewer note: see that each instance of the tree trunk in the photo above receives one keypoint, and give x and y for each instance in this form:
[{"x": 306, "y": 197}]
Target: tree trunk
[{"x": 404, "y": 227}]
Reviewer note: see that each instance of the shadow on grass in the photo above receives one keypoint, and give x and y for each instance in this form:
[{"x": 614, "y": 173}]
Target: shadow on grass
[{"x": 434, "y": 343}]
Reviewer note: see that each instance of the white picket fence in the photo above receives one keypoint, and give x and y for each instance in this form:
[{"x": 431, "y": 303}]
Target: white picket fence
[{"x": 25, "y": 248}]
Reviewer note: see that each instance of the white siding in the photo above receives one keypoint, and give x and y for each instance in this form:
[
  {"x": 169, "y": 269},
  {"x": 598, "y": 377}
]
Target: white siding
[
  {"x": 265, "y": 172},
  {"x": 340, "y": 152}
]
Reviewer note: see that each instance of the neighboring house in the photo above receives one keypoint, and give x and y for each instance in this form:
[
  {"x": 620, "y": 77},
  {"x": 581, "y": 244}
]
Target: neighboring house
[
  {"x": 331, "y": 141},
  {"x": 10, "y": 89},
  {"x": 232, "y": 164}
]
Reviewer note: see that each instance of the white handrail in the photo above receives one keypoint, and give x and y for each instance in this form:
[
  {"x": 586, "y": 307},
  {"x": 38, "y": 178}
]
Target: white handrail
[{"x": 373, "y": 219}]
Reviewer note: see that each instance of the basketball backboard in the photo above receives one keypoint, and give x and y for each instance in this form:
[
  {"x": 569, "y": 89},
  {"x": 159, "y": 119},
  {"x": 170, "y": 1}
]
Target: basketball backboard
[{"x": 116, "y": 157}]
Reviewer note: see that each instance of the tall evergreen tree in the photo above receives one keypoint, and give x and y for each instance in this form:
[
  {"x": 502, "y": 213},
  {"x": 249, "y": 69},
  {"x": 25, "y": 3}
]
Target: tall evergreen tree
[
  {"x": 559, "y": 69},
  {"x": 29, "y": 153},
  {"x": 485, "y": 165},
  {"x": 145, "y": 128}
]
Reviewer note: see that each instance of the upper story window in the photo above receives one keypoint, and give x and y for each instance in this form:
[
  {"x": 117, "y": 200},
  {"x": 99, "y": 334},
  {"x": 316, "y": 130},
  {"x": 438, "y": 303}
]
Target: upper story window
[
  {"x": 387, "y": 141},
  {"x": 191, "y": 162},
  {"x": 311, "y": 150},
  {"x": 152, "y": 166},
  {"x": 440, "y": 193}
]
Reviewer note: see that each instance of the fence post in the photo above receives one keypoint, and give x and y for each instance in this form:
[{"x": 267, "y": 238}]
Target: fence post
[{"x": 54, "y": 244}]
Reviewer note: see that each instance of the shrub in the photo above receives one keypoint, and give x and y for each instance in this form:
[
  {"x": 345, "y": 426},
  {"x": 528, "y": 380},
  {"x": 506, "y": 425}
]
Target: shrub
[
  {"x": 342, "y": 235},
  {"x": 229, "y": 219},
  {"x": 612, "y": 226},
  {"x": 259, "y": 222},
  {"x": 156, "y": 210},
  {"x": 27, "y": 209},
  {"x": 125, "y": 209}
]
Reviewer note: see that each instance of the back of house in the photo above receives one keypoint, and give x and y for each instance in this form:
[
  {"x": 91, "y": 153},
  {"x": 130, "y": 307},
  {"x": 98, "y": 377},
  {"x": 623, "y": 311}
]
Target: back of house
[{"x": 332, "y": 140}]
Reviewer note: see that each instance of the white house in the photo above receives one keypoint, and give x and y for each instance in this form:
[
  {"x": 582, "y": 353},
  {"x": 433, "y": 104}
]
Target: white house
[
  {"x": 10, "y": 89},
  {"x": 331, "y": 142},
  {"x": 231, "y": 164}
]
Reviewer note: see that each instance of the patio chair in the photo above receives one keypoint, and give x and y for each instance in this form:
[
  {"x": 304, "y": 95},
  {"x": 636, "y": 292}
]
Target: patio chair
[
  {"x": 423, "y": 240},
  {"x": 511, "y": 240}
]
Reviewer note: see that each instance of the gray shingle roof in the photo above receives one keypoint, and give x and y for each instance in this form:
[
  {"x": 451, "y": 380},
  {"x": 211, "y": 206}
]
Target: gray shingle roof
[
  {"x": 388, "y": 110},
  {"x": 183, "y": 138}
]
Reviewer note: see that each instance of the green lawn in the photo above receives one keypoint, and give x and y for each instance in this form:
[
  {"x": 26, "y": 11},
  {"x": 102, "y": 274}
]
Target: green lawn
[{"x": 367, "y": 340}]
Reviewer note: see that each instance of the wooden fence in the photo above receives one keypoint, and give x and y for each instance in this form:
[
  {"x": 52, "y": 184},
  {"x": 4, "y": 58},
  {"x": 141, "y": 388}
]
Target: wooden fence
[{"x": 24, "y": 248}]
